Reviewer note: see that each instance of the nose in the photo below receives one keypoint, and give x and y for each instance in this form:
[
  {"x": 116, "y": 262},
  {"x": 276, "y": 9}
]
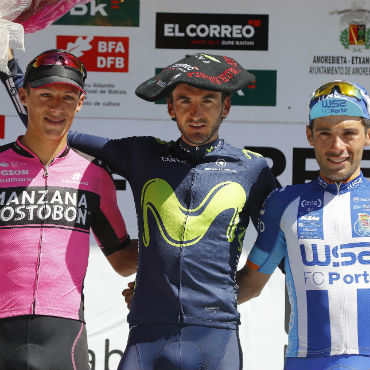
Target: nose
[
  {"x": 338, "y": 144},
  {"x": 196, "y": 111},
  {"x": 55, "y": 105}
]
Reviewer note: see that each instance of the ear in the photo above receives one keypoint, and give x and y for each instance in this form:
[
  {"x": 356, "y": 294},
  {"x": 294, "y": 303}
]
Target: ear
[
  {"x": 170, "y": 108},
  {"x": 23, "y": 95},
  {"x": 309, "y": 135},
  {"x": 80, "y": 102},
  {"x": 367, "y": 139},
  {"x": 226, "y": 107}
]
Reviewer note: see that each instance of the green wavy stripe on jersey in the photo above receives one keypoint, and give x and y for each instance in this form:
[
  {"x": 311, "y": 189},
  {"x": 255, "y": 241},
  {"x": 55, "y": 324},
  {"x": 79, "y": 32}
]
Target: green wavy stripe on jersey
[{"x": 182, "y": 227}]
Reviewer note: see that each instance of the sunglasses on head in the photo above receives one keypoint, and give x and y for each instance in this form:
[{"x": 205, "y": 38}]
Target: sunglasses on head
[
  {"x": 344, "y": 87},
  {"x": 59, "y": 57}
]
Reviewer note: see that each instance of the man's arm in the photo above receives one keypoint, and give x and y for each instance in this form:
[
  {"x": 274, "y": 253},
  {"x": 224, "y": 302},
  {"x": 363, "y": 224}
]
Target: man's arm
[
  {"x": 124, "y": 261},
  {"x": 13, "y": 83},
  {"x": 269, "y": 248},
  {"x": 251, "y": 283},
  {"x": 109, "y": 227}
]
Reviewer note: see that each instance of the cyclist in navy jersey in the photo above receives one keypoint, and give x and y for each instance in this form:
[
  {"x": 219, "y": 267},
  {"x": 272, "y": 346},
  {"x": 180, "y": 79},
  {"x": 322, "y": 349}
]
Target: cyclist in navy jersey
[
  {"x": 194, "y": 198},
  {"x": 322, "y": 228},
  {"x": 50, "y": 198}
]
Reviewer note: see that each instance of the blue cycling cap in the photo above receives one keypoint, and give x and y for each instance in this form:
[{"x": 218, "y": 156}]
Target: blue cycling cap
[{"x": 339, "y": 98}]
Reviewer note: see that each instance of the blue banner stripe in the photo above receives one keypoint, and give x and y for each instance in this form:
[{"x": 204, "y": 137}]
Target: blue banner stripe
[
  {"x": 363, "y": 319},
  {"x": 318, "y": 323}
]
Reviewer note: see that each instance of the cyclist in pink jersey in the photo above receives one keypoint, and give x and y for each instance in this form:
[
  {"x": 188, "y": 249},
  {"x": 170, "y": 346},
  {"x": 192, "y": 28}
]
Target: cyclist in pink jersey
[{"x": 50, "y": 197}]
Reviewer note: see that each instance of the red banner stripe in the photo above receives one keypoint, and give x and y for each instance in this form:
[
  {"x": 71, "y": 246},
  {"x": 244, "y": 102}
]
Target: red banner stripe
[{"x": 2, "y": 127}]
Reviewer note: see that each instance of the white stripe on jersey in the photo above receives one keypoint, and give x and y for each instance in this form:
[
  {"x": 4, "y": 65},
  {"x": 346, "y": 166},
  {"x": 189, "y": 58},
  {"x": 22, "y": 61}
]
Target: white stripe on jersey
[{"x": 352, "y": 332}]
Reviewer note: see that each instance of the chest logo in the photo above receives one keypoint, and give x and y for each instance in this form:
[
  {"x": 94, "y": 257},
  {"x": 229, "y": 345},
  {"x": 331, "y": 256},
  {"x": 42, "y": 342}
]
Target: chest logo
[{"x": 182, "y": 227}]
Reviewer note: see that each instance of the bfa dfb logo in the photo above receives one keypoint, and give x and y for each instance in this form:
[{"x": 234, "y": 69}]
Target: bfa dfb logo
[
  {"x": 355, "y": 26},
  {"x": 98, "y": 53}
]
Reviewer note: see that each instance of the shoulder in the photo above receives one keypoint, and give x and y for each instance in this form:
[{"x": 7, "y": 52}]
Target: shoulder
[
  {"x": 365, "y": 182},
  {"x": 247, "y": 157},
  {"x": 90, "y": 160},
  {"x": 145, "y": 143},
  {"x": 279, "y": 199},
  {"x": 4, "y": 148}
]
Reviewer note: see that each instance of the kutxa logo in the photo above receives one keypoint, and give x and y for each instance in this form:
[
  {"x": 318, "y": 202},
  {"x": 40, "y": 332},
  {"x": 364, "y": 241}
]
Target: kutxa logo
[
  {"x": 183, "y": 227},
  {"x": 344, "y": 255}
]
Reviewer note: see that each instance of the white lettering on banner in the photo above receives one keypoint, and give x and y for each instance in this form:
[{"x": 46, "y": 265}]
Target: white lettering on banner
[
  {"x": 172, "y": 30},
  {"x": 82, "y": 9},
  {"x": 111, "y": 47},
  {"x": 213, "y": 30},
  {"x": 107, "y": 62}
]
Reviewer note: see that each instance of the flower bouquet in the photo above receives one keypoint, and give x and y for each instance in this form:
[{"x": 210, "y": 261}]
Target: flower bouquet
[{"x": 26, "y": 16}]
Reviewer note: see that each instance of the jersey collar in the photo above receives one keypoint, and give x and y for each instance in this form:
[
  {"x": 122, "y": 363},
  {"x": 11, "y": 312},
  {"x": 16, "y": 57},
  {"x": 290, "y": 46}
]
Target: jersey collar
[
  {"x": 22, "y": 150},
  {"x": 340, "y": 187},
  {"x": 195, "y": 152}
]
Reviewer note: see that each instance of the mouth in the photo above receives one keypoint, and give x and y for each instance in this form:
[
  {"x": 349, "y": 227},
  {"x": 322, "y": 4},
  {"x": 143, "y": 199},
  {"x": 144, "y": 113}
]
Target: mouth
[
  {"x": 197, "y": 125},
  {"x": 338, "y": 160},
  {"x": 55, "y": 121}
]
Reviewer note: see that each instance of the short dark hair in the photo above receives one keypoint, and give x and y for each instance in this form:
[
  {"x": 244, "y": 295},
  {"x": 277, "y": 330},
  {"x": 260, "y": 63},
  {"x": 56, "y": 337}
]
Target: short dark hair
[{"x": 365, "y": 122}]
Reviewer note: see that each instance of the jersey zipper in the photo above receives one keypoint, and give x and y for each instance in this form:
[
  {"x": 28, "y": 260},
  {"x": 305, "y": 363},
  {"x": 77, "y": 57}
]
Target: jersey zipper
[
  {"x": 45, "y": 176},
  {"x": 181, "y": 313},
  {"x": 343, "y": 292}
]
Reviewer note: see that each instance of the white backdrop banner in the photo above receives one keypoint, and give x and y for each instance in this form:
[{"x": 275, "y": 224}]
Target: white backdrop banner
[{"x": 291, "y": 48}]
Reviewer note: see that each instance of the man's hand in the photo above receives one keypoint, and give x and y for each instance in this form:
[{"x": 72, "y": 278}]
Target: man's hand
[{"x": 128, "y": 293}]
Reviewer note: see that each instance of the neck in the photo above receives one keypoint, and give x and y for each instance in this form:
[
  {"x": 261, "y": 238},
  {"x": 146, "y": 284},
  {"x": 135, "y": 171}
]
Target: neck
[
  {"x": 45, "y": 150},
  {"x": 353, "y": 176}
]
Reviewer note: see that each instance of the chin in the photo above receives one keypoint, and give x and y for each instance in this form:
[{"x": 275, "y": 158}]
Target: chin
[{"x": 339, "y": 177}]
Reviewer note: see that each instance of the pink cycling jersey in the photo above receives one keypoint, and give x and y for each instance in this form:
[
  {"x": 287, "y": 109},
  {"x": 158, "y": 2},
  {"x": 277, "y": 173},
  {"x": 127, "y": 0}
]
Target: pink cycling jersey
[{"x": 46, "y": 213}]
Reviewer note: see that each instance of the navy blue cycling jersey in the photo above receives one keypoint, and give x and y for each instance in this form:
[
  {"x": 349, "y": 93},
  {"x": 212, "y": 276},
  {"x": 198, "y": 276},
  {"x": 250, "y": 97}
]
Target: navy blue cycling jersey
[{"x": 193, "y": 206}]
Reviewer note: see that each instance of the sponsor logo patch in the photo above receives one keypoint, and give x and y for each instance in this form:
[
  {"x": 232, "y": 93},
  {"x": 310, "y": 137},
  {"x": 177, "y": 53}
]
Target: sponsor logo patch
[
  {"x": 212, "y": 31},
  {"x": 98, "y": 53}
]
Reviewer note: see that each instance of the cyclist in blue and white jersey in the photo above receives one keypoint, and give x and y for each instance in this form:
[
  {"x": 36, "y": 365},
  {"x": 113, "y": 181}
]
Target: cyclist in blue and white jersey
[{"x": 322, "y": 228}]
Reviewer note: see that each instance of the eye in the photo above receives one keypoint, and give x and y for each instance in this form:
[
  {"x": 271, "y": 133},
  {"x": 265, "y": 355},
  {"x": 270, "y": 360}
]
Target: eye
[
  {"x": 350, "y": 133},
  {"x": 69, "y": 97},
  {"x": 45, "y": 94},
  {"x": 324, "y": 133}
]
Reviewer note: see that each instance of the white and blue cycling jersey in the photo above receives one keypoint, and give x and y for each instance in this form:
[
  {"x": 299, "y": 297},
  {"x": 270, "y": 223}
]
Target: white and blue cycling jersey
[{"x": 323, "y": 231}]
